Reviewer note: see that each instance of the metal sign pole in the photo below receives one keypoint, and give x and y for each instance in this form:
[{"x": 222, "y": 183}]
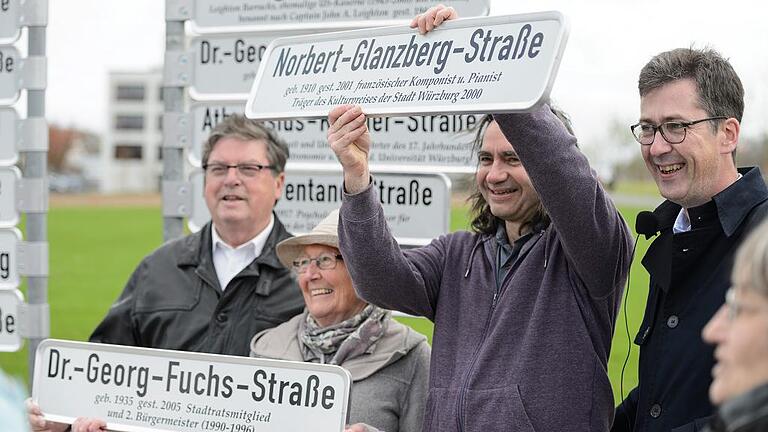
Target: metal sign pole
[
  {"x": 173, "y": 151},
  {"x": 36, "y": 168}
]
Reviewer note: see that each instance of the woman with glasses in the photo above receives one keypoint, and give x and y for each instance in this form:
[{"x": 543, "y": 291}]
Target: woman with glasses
[
  {"x": 388, "y": 361},
  {"x": 739, "y": 330}
]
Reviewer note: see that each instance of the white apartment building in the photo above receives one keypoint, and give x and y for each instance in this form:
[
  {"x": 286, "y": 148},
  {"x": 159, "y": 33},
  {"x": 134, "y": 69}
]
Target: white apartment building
[{"x": 131, "y": 155}]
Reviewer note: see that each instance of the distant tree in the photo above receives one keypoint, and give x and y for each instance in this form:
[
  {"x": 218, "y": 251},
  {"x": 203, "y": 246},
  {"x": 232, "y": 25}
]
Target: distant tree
[{"x": 60, "y": 142}]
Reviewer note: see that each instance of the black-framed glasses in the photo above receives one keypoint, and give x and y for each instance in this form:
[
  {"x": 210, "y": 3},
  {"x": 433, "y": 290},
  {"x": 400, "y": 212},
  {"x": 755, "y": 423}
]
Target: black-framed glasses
[
  {"x": 246, "y": 170},
  {"x": 673, "y": 132},
  {"x": 324, "y": 261}
]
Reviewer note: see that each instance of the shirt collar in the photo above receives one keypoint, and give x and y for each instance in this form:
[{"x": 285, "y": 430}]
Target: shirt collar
[
  {"x": 257, "y": 243},
  {"x": 733, "y": 203}
]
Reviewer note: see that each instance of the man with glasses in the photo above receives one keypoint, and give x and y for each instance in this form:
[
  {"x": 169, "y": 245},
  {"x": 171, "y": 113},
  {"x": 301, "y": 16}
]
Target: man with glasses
[
  {"x": 691, "y": 103},
  {"x": 213, "y": 290}
]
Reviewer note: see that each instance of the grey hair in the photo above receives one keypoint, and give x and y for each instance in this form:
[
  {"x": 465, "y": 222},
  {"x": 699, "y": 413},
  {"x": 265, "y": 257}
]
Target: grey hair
[
  {"x": 750, "y": 270},
  {"x": 240, "y": 127},
  {"x": 720, "y": 92}
]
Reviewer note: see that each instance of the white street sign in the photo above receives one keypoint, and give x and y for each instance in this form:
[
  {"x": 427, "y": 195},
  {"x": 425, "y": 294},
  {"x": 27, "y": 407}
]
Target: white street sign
[
  {"x": 9, "y": 243},
  {"x": 10, "y": 339},
  {"x": 495, "y": 64},
  {"x": 142, "y": 389},
  {"x": 435, "y": 143},
  {"x": 10, "y": 81},
  {"x": 417, "y": 206},
  {"x": 8, "y": 124},
  {"x": 224, "y": 66},
  {"x": 276, "y": 15},
  {"x": 9, "y": 20},
  {"x": 9, "y": 178}
]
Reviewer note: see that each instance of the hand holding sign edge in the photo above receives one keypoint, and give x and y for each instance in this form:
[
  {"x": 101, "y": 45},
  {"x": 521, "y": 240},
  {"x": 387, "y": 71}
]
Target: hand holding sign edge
[
  {"x": 433, "y": 17},
  {"x": 349, "y": 138}
]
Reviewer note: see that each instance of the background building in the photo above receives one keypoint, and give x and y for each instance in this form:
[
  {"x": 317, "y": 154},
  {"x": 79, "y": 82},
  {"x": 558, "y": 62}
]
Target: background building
[{"x": 131, "y": 159}]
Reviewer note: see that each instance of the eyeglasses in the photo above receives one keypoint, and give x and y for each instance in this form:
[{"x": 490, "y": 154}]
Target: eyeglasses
[
  {"x": 673, "y": 132},
  {"x": 323, "y": 262},
  {"x": 244, "y": 170},
  {"x": 734, "y": 308}
]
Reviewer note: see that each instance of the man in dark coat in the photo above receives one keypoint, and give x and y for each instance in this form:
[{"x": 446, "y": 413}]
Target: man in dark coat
[
  {"x": 213, "y": 290},
  {"x": 690, "y": 113}
]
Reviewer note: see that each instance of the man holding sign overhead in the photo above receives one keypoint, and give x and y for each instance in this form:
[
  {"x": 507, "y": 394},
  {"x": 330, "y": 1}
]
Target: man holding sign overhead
[{"x": 524, "y": 306}]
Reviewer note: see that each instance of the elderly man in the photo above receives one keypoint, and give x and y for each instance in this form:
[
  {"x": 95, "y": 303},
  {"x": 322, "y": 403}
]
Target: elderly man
[
  {"x": 213, "y": 290},
  {"x": 691, "y": 103}
]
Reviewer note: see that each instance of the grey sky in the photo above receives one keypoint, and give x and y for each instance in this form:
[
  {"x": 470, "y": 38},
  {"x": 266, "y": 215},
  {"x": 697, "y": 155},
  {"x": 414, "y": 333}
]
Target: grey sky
[{"x": 608, "y": 44}]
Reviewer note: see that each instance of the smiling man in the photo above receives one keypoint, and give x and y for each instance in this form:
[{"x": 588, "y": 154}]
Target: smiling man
[
  {"x": 213, "y": 290},
  {"x": 524, "y": 306},
  {"x": 691, "y": 103}
]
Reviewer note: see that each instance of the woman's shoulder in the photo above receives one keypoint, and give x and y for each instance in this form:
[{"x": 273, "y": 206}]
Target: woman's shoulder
[{"x": 280, "y": 342}]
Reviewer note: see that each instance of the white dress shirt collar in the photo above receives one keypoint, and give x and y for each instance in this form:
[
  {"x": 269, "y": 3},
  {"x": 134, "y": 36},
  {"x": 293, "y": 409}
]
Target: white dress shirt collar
[{"x": 228, "y": 261}]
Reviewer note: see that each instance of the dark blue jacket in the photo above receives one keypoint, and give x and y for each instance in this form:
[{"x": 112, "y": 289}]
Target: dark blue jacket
[{"x": 689, "y": 274}]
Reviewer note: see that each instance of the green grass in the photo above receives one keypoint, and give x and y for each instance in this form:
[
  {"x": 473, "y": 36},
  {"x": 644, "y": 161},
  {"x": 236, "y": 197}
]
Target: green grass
[
  {"x": 637, "y": 187},
  {"x": 93, "y": 250}
]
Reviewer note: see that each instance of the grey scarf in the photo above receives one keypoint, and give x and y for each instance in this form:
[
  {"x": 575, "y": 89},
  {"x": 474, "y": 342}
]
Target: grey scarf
[{"x": 347, "y": 339}]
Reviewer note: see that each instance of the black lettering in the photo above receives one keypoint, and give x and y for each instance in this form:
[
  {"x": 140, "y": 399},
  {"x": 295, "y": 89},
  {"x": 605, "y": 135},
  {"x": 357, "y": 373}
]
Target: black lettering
[
  {"x": 328, "y": 394},
  {"x": 357, "y": 58},
  {"x": 53, "y": 363},
  {"x": 5, "y": 265},
  {"x": 208, "y": 53},
  {"x": 171, "y": 375},
  {"x": 91, "y": 370},
  {"x": 472, "y": 54},
  {"x": 259, "y": 385},
  {"x": 226, "y": 382},
  {"x": 536, "y": 42}
]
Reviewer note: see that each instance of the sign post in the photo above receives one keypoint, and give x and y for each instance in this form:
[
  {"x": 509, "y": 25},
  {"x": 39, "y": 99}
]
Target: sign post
[
  {"x": 417, "y": 206},
  {"x": 141, "y": 389},
  {"x": 10, "y": 338},
  {"x": 486, "y": 65},
  {"x": 269, "y": 16}
]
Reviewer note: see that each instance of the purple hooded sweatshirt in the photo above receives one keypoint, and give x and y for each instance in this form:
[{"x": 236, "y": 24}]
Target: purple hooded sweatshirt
[{"x": 535, "y": 357}]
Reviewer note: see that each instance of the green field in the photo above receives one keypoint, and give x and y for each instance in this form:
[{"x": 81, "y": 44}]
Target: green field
[{"x": 94, "y": 249}]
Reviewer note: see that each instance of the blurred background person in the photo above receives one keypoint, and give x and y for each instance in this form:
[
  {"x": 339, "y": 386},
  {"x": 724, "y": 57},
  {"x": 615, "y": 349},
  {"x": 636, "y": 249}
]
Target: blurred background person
[
  {"x": 739, "y": 331},
  {"x": 388, "y": 361},
  {"x": 11, "y": 405}
]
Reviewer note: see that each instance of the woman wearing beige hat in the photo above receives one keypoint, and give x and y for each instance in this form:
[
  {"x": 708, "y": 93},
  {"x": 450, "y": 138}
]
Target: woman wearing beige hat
[{"x": 388, "y": 361}]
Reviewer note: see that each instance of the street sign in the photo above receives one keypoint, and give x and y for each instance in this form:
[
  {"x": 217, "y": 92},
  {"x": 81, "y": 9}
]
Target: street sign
[
  {"x": 10, "y": 339},
  {"x": 416, "y": 206},
  {"x": 9, "y": 243},
  {"x": 142, "y": 389},
  {"x": 8, "y": 125},
  {"x": 9, "y": 178},
  {"x": 434, "y": 143},
  {"x": 277, "y": 15},
  {"x": 224, "y": 66},
  {"x": 10, "y": 81},
  {"x": 486, "y": 65},
  {"x": 9, "y": 20}
]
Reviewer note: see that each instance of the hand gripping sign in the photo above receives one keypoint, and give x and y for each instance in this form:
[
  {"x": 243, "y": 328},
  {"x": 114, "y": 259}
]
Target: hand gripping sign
[
  {"x": 496, "y": 64},
  {"x": 142, "y": 389}
]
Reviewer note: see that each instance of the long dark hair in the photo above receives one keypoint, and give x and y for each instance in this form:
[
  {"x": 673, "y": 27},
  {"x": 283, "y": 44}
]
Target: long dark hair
[{"x": 483, "y": 221}]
